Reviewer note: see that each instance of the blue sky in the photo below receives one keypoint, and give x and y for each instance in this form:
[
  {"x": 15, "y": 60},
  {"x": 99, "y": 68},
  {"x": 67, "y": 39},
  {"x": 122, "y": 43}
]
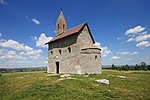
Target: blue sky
[{"x": 121, "y": 28}]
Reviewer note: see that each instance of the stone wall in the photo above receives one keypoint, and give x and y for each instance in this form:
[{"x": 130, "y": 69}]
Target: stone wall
[
  {"x": 90, "y": 61},
  {"x": 76, "y": 61},
  {"x": 66, "y": 60},
  {"x": 84, "y": 38}
]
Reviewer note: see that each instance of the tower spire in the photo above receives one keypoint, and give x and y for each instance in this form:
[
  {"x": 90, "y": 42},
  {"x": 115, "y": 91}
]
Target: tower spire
[{"x": 61, "y": 24}]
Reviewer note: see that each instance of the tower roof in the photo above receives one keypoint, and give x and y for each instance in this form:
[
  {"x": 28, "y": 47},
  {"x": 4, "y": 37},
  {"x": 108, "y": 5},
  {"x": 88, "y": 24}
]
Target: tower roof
[
  {"x": 61, "y": 25},
  {"x": 61, "y": 16}
]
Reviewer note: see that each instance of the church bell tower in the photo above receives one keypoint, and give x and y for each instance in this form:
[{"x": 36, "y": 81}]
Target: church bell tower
[{"x": 61, "y": 24}]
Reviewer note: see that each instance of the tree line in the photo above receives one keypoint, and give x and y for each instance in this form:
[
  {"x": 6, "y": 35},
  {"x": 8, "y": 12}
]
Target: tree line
[
  {"x": 141, "y": 66},
  {"x": 10, "y": 70}
]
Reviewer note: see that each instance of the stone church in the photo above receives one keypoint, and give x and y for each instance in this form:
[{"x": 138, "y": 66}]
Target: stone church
[{"x": 73, "y": 51}]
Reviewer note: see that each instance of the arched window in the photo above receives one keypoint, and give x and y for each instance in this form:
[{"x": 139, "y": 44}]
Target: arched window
[
  {"x": 95, "y": 57},
  {"x": 69, "y": 49},
  {"x": 58, "y": 26},
  {"x": 51, "y": 52},
  {"x": 60, "y": 52}
]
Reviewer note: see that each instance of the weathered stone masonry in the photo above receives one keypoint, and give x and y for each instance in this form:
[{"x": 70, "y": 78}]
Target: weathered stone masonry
[{"x": 73, "y": 51}]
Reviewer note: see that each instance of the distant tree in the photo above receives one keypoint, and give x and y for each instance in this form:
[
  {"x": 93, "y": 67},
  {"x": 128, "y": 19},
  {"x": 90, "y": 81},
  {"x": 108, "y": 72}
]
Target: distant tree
[
  {"x": 131, "y": 67},
  {"x": 148, "y": 67},
  {"x": 136, "y": 67},
  {"x": 113, "y": 67},
  {"x": 125, "y": 68},
  {"x": 143, "y": 66},
  {"x": 140, "y": 66},
  {"x": 143, "y": 63},
  {"x": 119, "y": 68}
]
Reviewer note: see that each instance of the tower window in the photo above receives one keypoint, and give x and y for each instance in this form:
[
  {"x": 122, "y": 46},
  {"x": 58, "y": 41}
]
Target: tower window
[
  {"x": 69, "y": 49},
  {"x": 60, "y": 52},
  {"x": 58, "y": 26},
  {"x": 63, "y": 26}
]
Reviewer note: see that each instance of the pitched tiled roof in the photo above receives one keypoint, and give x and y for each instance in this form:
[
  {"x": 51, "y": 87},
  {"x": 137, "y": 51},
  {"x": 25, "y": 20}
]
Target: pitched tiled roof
[{"x": 68, "y": 32}]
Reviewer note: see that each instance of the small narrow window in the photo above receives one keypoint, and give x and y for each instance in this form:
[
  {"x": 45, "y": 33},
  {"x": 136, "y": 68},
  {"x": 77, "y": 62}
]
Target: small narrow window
[
  {"x": 51, "y": 52},
  {"x": 95, "y": 57},
  {"x": 60, "y": 52},
  {"x": 69, "y": 49},
  {"x": 58, "y": 26},
  {"x": 63, "y": 26}
]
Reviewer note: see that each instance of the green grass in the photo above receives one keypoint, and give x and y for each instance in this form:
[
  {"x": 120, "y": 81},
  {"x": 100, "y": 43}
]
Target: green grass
[{"x": 38, "y": 86}]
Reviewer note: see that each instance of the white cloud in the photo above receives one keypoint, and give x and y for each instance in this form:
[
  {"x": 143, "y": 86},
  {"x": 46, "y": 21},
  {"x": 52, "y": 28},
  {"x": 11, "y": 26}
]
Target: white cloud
[
  {"x": 26, "y": 52},
  {"x": 143, "y": 44},
  {"x": 127, "y": 53},
  {"x": 0, "y": 34},
  {"x": 142, "y": 37},
  {"x": 97, "y": 44},
  {"x": 122, "y": 42},
  {"x": 31, "y": 53},
  {"x": 45, "y": 62},
  {"x": 15, "y": 45},
  {"x": 42, "y": 40},
  {"x": 33, "y": 37},
  {"x": 138, "y": 35},
  {"x": 135, "y": 30},
  {"x": 135, "y": 53},
  {"x": 130, "y": 39},
  {"x": 55, "y": 31},
  {"x": 123, "y": 53},
  {"x": 129, "y": 59},
  {"x": 119, "y": 38},
  {"x": 6, "y": 54},
  {"x": 3, "y": 2},
  {"x": 139, "y": 38},
  {"x": 143, "y": 33},
  {"x": 35, "y": 54},
  {"x": 104, "y": 50},
  {"x": 37, "y": 22},
  {"x": 10, "y": 55},
  {"x": 3, "y": 52},
  {"x": 115, "y": 57}
]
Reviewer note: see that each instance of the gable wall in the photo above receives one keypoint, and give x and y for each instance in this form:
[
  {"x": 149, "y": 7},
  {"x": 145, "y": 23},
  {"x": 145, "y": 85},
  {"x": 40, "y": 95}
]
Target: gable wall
[{"x": 84, "y": 37}]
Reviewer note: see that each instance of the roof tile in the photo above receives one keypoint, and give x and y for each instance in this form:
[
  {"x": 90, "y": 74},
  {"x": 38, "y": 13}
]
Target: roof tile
[{"x": 67, "y": 33}]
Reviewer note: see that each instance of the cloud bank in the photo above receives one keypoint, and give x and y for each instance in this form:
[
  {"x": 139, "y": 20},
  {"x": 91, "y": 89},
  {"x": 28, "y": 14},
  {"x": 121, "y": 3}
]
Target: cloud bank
[
  {"x": 104, "y": 50},
  {"x": 42, "y": 40}
]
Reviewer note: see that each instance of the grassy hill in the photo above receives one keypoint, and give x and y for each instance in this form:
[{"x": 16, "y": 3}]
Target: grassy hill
[{"x": 39, "y": 85}]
